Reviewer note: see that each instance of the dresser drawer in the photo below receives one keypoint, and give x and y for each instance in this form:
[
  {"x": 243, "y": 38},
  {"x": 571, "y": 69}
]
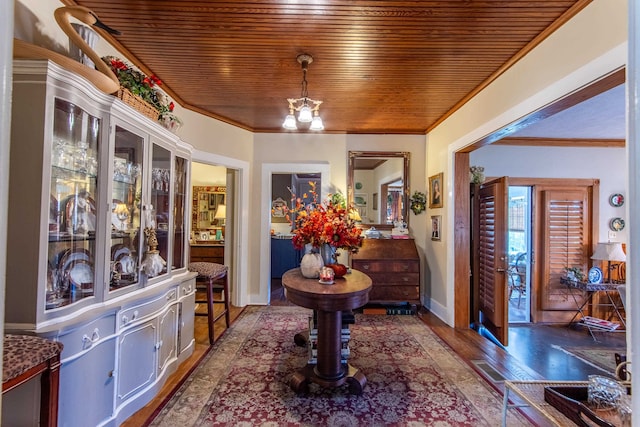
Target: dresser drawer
[
  {"x": 394, "y": 279},
  {"x": 394, "y": 293},
  {"x": 87, "y": 335},
  {"x": 146, "y": 308},
  {"x": 376, "y": 266}
]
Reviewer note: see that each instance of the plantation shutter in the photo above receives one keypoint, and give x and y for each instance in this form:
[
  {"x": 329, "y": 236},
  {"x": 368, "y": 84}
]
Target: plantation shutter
[
  {"x": 566, "y": 243},
  {"x": 492, "y": 239}
]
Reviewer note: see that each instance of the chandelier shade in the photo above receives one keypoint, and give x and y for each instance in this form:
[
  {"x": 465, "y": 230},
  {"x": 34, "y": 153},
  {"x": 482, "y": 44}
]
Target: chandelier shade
[{"x": 307, "y": 108}]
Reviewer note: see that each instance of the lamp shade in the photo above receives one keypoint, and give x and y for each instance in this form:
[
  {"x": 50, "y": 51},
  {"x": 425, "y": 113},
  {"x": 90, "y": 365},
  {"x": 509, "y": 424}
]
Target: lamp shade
[
  {"x": 290, "y": 122},
  {"x": 304, "y": 116},
  {"x": 221, "y": 212},
  {"x": 609, "y": 251},
  {"x": 316, "y": 123}
]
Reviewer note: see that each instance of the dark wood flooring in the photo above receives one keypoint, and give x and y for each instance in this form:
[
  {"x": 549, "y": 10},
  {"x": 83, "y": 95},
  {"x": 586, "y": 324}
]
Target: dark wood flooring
[{"x": 533, "y": 353}]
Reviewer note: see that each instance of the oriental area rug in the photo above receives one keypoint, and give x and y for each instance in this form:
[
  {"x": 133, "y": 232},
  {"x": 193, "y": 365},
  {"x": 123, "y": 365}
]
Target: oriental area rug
[
  {"x": 598, "y": 357},
  {"x": 413, "y": 379}
]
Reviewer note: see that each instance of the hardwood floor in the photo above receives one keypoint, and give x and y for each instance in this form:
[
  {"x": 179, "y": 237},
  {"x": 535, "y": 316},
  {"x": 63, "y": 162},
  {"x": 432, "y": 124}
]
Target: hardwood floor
[{"x": 531, "y": 355}]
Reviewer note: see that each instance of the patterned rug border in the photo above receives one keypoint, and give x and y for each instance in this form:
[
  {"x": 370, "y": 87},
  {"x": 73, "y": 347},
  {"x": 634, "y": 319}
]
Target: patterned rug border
[
  {"x": 221, "y": 355},
  {"x": 578, "y": 353}
]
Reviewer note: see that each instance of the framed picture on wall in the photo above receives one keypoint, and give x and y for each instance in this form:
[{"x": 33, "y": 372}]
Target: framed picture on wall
[
  {"x": 435, "y": 191},
  {"x": 436, "y": 229},
  {"x": 374, "y": 202}
]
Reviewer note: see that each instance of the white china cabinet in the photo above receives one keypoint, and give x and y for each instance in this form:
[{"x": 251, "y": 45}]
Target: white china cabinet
[{"x": 91, "y": 180}]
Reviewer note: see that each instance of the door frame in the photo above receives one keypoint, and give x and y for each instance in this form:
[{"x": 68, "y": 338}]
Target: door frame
[
  {"x": 461, "y": 196},
  {"x": 240, "y": 222}
]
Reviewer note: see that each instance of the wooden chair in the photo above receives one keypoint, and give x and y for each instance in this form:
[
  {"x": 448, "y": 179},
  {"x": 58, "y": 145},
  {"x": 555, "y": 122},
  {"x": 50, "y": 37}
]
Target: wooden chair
[{"x": 212, "y": 276}]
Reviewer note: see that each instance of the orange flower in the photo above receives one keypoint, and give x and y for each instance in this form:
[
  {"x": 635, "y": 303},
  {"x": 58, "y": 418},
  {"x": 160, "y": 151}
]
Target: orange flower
[{"x": 327, "y": 223}]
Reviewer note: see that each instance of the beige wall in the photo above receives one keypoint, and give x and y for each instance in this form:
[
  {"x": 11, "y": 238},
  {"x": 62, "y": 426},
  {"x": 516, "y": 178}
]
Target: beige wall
[{"x": 591, "y": 45}]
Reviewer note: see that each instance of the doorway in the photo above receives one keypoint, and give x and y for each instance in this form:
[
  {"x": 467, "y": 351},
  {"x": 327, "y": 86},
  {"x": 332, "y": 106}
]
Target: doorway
[{"x": 519, "y": 246}]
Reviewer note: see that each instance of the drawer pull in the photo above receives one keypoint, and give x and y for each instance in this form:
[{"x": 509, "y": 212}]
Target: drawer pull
[
  {"x": 95, "y": 336},
  {"x": 405, "y": 279},
  {"x": 405, "y": 267},
  {"x": 366, "y": 267},
  {"x": 171, "y": 296},
  {"x": 112, "y": 373}
]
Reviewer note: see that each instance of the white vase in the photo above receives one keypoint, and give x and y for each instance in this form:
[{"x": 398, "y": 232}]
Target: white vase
[{"x": 311, "y": 264}]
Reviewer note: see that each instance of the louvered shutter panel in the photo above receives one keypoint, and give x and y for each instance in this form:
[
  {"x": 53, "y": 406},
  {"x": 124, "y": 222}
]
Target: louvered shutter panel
[
  {"x": 491, "y": 237},
  {"x": 487, "y": 253},
  {"x": 566, "y": 243}
]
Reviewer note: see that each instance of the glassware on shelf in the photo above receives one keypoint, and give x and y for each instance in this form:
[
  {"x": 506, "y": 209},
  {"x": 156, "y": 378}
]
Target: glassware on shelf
[{"x": 122, "y": 213}]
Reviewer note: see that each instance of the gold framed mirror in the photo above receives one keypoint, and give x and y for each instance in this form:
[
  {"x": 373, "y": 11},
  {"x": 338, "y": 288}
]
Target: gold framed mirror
[
  {"x": 378, "y": 186},
  {"x": 207, "y": 207}
]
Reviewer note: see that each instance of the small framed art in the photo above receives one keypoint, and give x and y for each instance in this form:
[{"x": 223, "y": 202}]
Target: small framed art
[
  {"x": 435, "y": 191},
  {"x": 436, "y": 229}
]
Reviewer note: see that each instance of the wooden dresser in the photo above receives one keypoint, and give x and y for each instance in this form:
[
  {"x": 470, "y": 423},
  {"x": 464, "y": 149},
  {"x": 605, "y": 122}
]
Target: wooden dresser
[
  {"x": 394, "y": 268},
  {"x": 207, "y": 252}
]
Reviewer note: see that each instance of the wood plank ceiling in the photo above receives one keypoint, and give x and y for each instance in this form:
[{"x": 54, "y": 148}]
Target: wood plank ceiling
[{"x": 394, "y": 67}]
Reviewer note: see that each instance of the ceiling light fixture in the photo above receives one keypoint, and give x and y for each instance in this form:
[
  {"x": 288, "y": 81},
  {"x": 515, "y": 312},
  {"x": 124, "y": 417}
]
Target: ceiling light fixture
[{"x": 306, "y": 107}]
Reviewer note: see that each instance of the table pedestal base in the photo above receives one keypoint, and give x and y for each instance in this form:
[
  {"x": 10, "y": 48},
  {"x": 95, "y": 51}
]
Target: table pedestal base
[{"x": 300, "y": 380}]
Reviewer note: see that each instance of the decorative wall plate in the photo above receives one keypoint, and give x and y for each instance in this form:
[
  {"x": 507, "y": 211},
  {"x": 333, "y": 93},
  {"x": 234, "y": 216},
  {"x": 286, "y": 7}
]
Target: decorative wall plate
[
  {"x": 616, "y": 224},
  {"x": 358, "y": 186},
  {"x": 616, "y": 200},
  {"x": 595, "y": 275}
]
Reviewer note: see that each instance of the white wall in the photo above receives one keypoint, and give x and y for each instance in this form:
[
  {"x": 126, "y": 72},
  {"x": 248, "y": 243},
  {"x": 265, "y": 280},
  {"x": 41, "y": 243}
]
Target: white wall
[
  {"x": 609, "y": 165},
  {"x": 590, "y": 45}
]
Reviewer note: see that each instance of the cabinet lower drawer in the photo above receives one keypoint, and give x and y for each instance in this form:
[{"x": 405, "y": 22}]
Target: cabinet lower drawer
[
  {"x": 394, "y": 293},
  {"x": 368, "y": 266}
]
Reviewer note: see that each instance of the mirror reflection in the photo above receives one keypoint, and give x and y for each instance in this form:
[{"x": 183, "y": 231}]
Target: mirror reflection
[
  {"x": 209, "y": 212},
  {"x": 378, "y": 186}
]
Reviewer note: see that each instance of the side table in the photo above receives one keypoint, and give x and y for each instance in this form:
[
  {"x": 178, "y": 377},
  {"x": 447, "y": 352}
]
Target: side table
[
  {"x": 24, "y": 357},
  {"x": 347, "y": 293},
  {"x": 593, "y": 323}
]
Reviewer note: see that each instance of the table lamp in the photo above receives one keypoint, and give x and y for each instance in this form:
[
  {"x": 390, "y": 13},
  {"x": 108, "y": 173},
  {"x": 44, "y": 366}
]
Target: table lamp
[
  {"x": 609, "y": 251},
  {"x": 221, "y": 214}
]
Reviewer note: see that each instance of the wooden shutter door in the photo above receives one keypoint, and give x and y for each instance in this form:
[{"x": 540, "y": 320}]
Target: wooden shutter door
[
  {"x": 566, "y": 230},
  {"x": 492, "y": 257}
]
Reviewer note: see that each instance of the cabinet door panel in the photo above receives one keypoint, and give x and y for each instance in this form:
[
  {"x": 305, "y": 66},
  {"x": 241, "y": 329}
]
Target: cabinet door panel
[
  {"x": 126, "y": 189},
  {"x": 136, "y": 359},
  {"x": 168, "y": 344},
  {"x": 187, "y": 319},
  {"x": 87, "y": 387}
]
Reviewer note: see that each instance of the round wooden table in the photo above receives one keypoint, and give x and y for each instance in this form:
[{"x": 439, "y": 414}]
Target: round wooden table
[{"x": 347, "y": 293}]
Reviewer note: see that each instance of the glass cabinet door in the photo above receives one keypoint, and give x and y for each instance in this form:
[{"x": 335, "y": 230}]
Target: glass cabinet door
[
  {"x": 71, "y": 273},
  {"x": 126, "y": 195},
  {"x": 160, "y": 199},
  {"x": 179, "y": 217}
]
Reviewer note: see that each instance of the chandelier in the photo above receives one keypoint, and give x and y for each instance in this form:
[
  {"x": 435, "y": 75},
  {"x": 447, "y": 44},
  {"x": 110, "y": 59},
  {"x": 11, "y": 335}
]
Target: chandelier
[{"x": 306, "y": 107}]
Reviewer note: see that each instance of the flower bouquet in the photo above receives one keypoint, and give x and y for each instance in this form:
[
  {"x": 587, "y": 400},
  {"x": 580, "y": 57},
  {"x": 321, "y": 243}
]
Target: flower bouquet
[{"x": 328, "y": 224}]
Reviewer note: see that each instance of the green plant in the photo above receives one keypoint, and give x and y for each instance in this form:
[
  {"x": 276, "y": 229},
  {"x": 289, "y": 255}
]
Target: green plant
[
  {"x": 418, "y": 202},
  {"x": 574, "y": 273}
]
